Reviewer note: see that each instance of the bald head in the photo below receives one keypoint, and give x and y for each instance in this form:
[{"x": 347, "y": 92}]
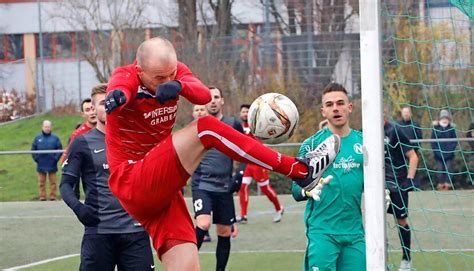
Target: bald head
[
  {"x": 46, "y": 127},
  {"x": 156, "y": 53},
  {"x": 156, "y": 63}
]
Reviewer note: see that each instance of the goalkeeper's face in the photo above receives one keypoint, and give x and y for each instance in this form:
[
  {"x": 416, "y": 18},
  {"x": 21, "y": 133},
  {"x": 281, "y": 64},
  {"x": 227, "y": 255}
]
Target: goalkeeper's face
[{"x": 336, "y": 108}]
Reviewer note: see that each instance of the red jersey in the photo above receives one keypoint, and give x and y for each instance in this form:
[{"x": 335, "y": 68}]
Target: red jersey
[
  {"x": 136, "y": 127},
  {"x": 246, "y": 127},
  {"x": 84, "y": 128}
]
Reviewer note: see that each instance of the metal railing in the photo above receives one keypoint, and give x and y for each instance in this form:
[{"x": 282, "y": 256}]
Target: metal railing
[{"x": 282, "y": 145}]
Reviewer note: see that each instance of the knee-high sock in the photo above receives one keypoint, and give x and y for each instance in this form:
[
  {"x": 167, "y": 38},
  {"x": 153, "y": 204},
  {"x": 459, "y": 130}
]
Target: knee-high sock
[
  {"x": 405, "y": 239},
  {"x": 216, "y": 134},
  {"x": 222, "y": 252},
  {"x": 200, "y": 233},
  {"x": 244, "y": 199},
  {"x": 271, "y": 195}
]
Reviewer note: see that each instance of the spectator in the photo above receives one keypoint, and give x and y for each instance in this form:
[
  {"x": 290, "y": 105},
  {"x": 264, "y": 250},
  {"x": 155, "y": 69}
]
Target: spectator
[
  {"x": 47, "y": 163},
  {"x": 444, "y": 150},
  {"x": 411, "y": 129},
  {"x": 470, "y": 156}
]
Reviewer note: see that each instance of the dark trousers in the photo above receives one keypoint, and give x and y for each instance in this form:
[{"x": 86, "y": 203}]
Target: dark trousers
[
  {"x": 127, "y": 251},
  {"x": 445, "y": 169}
]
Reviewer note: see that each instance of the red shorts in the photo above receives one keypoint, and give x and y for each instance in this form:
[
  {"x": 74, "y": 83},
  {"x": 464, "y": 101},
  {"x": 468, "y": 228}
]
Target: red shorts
[
  {"x": 258, "y": 173},
  {"x": 150, "y": 191}
]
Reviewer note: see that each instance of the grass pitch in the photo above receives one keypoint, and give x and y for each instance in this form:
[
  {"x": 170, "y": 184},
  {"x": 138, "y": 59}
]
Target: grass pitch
[{"x": 442, "y": 238}]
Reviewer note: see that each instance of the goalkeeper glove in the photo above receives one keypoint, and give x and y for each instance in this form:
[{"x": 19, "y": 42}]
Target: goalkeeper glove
[
  {"x": 316, "y": 191},
  {"x": 387, "y": 199}
]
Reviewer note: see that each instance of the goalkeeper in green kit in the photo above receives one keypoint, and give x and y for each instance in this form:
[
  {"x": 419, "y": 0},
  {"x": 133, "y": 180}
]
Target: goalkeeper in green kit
[{"x": 333, "y": 220}]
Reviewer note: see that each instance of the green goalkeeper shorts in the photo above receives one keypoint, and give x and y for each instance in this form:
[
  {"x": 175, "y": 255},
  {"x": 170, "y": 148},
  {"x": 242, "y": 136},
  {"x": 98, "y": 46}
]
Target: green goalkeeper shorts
[{"x": 329, "y": 252}]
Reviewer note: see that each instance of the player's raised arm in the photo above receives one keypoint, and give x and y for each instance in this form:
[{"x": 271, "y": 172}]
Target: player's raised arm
[
  {"x": 192, "y": 88},
  {"x": 120, "y": 91}
]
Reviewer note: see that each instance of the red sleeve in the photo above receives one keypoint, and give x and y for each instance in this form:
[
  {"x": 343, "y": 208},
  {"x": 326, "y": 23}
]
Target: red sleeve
[
  {"x": 71, "y": 139},
  {"x": 193, "y": 89},
  {"x": 124, "y": 79}
]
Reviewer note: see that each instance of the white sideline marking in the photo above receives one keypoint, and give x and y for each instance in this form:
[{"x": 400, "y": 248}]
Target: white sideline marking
[
  {"x": 234, "y": 252},
  {"x": 41, "y": 262}
]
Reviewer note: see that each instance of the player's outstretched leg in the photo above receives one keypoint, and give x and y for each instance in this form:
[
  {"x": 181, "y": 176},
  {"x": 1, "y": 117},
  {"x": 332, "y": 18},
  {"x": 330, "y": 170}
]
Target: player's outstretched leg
[{"x": 209, "y": 132}]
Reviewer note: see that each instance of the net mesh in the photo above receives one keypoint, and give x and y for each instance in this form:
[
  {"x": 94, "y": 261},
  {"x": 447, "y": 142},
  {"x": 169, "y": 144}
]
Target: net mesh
[{"x": 428, "y": 69}]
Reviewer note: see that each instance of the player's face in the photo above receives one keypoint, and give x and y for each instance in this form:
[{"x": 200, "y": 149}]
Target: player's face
[
  {"x": 99, "y": 105},
  {"x": 46, "y": 128},
  {"x": 336, "y": 108},
  {"x": 244, "y": 112},
  {"x": 88, "y": 113},
  {"x": 156, "y": 75},
  {"x": 199, "y": 111},
  {"x": 215, "y": 106},
  {"x": 406, "y": 114}
]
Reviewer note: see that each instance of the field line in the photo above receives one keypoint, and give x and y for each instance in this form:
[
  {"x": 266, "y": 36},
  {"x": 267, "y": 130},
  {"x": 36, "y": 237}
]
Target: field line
[
  {"x": 41, "y": 262},
  {"x": 232, "y": 252}
]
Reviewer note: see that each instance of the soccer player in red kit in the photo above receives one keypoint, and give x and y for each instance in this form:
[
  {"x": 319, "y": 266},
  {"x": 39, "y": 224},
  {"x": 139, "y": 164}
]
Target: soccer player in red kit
[
  {"x": 261, "y": 176},
  {"x": 149, "y": 165}
]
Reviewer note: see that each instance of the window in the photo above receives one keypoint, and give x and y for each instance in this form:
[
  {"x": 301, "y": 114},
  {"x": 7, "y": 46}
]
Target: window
[
  {"x": 3, "y": 50},
  {"x": 83, "y": 43},
  {"x": 64, "y": 45},
  {"x": 57, "y": 45},
  {"x": 102, "y": 43},
  {"x": 11, "y": 47},
  {"x": 47, "y": 45}
]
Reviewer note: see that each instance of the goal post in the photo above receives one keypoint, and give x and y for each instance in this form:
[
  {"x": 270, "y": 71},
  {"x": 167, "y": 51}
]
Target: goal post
[{"x": 372, "y": 127}]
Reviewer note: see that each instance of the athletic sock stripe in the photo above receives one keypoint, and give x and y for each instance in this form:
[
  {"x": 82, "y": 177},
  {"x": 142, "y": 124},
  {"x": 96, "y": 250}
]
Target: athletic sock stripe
[{"x": 229, "y": 144}]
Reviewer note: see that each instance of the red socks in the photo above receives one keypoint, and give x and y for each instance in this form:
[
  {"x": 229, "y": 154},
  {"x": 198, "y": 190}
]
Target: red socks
[
  {"x": 215, "y": 134},
  {"x": 244, "y": 199},
  {"x": 271, "y": 195}
]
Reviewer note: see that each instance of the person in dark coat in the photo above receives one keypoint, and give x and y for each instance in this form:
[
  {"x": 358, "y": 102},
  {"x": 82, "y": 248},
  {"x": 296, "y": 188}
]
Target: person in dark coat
[
  {"x": 470, "y": 134},
  {"x": 444, "y": 150},
  {"x": 47, "y": 164}
]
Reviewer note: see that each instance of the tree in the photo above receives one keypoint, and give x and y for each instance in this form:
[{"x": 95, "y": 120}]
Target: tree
[
  {"x": 187, "y": 20},
  {"x": 222, "y": 12},
  {"x": 108, "y": 29},
  {"x": 317, "y": 28}
]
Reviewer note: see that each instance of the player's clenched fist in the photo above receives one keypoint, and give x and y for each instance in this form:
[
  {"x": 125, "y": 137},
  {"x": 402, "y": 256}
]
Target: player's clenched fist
[
  {"x": 87, "y": 215},
  {"x": 168, "y": 91},
  {"x": 114, "y": 99},
  {"x": 316, "y": 191}
]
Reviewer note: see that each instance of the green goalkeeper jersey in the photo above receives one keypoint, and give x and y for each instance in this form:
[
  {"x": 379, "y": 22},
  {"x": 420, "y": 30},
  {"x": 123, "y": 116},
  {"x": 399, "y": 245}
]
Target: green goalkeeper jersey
[{"x": 338, "y": 211}]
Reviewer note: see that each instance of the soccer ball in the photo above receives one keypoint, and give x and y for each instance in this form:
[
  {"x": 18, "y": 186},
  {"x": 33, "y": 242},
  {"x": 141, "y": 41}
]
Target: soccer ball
[{"x": 273, "y": 118}]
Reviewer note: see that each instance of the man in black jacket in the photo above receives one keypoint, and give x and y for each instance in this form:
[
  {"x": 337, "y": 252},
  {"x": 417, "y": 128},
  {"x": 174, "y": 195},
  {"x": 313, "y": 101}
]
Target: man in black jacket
[{"x": 444, "y": 150}]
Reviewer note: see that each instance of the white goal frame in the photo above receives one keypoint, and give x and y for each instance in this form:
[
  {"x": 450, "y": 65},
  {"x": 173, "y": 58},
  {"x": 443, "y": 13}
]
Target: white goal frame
[{"x": 372, "y": 123}]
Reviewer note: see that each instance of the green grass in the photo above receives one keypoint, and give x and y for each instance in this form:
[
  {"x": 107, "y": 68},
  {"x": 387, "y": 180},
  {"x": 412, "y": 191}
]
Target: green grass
[
  {"x": 441, "y": 222},
  {"x": 18, "y": 181},
  {"x": 263, "y": 261}
]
